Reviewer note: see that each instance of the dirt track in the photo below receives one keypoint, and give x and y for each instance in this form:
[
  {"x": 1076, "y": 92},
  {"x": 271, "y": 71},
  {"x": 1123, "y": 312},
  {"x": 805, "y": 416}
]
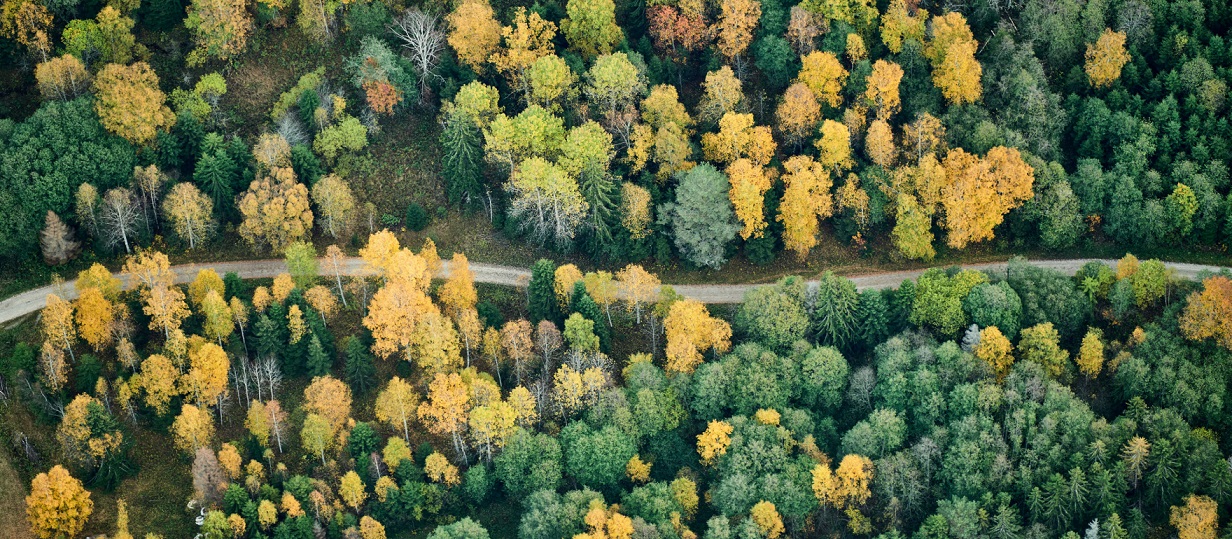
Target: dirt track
[{"x": 33, "y": 300}]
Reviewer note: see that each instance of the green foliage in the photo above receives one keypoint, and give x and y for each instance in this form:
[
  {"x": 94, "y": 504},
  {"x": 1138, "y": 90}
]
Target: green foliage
[
  {"x": 774, "y": 315},
  {"x": 462, "y": 160},
  {"x": 701, "y": 219},
  {"x": 939, "y": 298},
  {"x": 462, "y": 529},
  {"x": 417, "y": 217},
  {"x": 541, "y": 292},
  {"x": 834, "y": 311},
  {"x": 995, "y": 305},
  {"x": 43, "y": 160},
  {"x": 360, "y": 370},
  {"x": 531, "y": 462},
  {"x": 309, "y": 82}
]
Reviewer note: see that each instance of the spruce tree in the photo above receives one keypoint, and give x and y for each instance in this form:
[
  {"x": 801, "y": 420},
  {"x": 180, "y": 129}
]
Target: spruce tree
[
  {"x": 585, "y": 306},
  {"x": 360, "y": 372},
  {"x": 319, "y": 363},
  {"x": 541, "y": 292},
  {"x": 462, "y": 160}
]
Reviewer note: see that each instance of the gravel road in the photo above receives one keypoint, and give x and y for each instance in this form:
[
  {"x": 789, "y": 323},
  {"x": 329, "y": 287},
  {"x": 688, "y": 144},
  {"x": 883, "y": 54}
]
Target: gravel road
[{"x": 33, "y": 300}]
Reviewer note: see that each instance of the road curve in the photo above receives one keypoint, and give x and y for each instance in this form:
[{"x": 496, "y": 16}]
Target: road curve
[{"x": 32, "y": 300}]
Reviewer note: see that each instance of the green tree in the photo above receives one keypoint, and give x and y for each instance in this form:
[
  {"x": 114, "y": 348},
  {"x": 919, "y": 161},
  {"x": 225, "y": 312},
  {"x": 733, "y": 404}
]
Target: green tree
[
  {"x": 596, "y": 458},
  {"x": 541, "y": 292},
  {"x": 938, "y": 302},
  {"x": 462, "y": 529},
  {"x": 360, "y": 370},
  {"x": 530, "y": 463},
  {"x": 591, "y": 26},
  {"x": 824, "y": 372},
  {"x": 995, "y": 305},
  {"x": 834, "y": 311},
  {"x": 701, "y": 219},
  {"x": 462, "y": 160},
  {"x": 774, "y": 315},
  {"x": 301, "y": 261}
]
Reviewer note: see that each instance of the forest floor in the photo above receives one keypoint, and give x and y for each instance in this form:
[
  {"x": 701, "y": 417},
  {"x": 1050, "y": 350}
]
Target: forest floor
[{"x": 13, "y": 523}]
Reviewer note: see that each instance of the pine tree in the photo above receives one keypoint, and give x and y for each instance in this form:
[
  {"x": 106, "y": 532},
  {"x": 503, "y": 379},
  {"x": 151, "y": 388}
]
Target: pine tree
[
  {"x": 541, "y": 292},
  {"x": 319, "y": 363},
  {"x": 360, "y": 371}
]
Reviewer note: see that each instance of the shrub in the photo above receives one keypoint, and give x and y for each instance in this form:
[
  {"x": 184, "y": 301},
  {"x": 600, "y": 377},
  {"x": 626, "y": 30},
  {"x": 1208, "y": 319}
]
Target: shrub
[{"x": 416, "y": 217}]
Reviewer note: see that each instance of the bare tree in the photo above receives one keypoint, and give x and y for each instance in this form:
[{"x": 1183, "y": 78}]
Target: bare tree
[
  {"x": 208, "y": 479},
  {"x": 119, "y": 218},
  {"x": 57, "y": 240},
  {"x": 425, "y": 41},
  {"x": 548, "y": 341},
  {"x": 149, "y": 182},
  {"x": 273, "y": 376}
]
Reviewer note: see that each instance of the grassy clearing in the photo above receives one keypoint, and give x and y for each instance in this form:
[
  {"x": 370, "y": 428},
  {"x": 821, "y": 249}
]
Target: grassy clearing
[{"x": 12, "y": 501}]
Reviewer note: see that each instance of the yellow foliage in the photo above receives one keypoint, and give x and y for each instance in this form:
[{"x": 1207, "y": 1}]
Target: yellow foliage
[
  {"x": 230, "y": 460},
  {"x": 749, "y": 184},
  {"x": 275, "y": 211},
  {"x": 767, "y": 416},
  {"x": 690, "y": 331},
  {"x": 637, "y": 470},
  {"x": 57, "y": 506},
  {"x": 351, "y": 490},
  {"x": 834, "y": 146},
  {"x": 738, "y": 137},
  {"x": 565, "y": 278},
  {"x": 192, "y": 429},
  {"x": 439, "y": 470},
  {"x": 806, "y": 201},
  {"x": 824, "y": 75},
  {"x": 882, "y": 95},
  {"x": 95, "y": 318},
  {"x": 995, "y": 350},
  {"x": 1091, "y": 353},
  {"x": 1105, "y": 58},
  {"x": 129, "y": 102},
  {"x": 1197, "y": 519},
  {"x": 798, "y": 113},
  {"x": 767, "y": 519},
  {"x": 713, "y": 442},
  {"x": 473, "y": 32}
]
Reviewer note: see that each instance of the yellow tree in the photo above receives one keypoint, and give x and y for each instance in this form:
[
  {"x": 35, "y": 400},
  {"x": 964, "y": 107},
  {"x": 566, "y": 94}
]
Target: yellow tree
[
  {"x": 316, "y": 435},
  {"x": 767, "y": 519},
  {"x": 738, "y": 137},
  {"x": 474, "y": 33},
  {"x": 525, "y": 406},
  {"x": 898, "y": 25},
  {"x": 912, "y": 234},
  {"x": 29, "y": 23},
  {"x": 329, "y": 398},
  {"x": 713, "y": 442},
  {"x": 882, "y": 95},
  {"x": 439, "y": 470},
  {"x": 690, "y": 331},
  {"x": 1208, "y": 314},
  {"x": 591, "y": 27},
  {"x": 879, "y": 144},
  {"x": 95, "y": 318},
  {"x": 979, "y": 192},
  {"x": 444, "y": 413},
  {"x": 434, "y": 344},
  {"x": 62, "y": 78},
  {"x": 206, "y": 379},
  {"x": 525, "y": 41},
  {"x": 1091, "y": 353},
  {"x": 129, "y": 102},
  {"x": 190, "y": 212},
  {"x": 491, "y": 426},
  {"x": 458, "y": 294},
  {"x": 322, "y": 300},
  {"x": 798, "y": 113},
  {"x": 824, "y": 75},
  {"x": 351, "y": 490},
  {"x": 158, "y": 378},
  {"x": 638, "y": 288},
  {"x": 806, "y": 201},
  {"x": 192, "y": 429},
  {"x": 56, "y": 325},
  {"x": 217, "y": 320},
  {"x": 98, "y": 276},
  {"x": 749, "y": 184},
  {"x": 257, "y": 422},
  {"x": 275, "y": 211},
  {"x": 566, "y": 277},
  {"x": 370, "y": 528},
  {"x": 737, "y": 20},
  {"x": 1197, "y": 519},
  {"x": 721, "y": 93},
  {"x": 335, "y": 205},
  {"x": 834, "y": 147},
  {"x": 206, "y": 281},
  {"x": 1105, "y": 58},
  {"x": 58, "y": 505},
  {"x": 230, "y": 461},
  {"x": 602, "y": 289},
  {"x": 995, "y": 350},
  {"x": 220, "y": 29},
  {"x": 396, "y": 405},
  {"x": 151, "y": 272},
  {"x": 952, "y": 52}
]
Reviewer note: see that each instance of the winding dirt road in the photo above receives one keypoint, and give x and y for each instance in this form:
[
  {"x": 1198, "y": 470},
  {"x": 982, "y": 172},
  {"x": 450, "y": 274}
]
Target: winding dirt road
[{"x": 33, "y": 300}]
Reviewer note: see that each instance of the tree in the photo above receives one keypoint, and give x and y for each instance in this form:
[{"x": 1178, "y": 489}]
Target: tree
[
  {"x": 881, "y": 93},
  {"x": 129, "y": 102},
  {"x": 118, "y": 218},
  {"x": 912, "y": 233},
  {"x": 1105, "y": 58},
  {"x": 190, "y": 213},
  {"x": 348, "y": 134},
  {"x": 767, "y": 519},
  {"x": 516, "y": 345},
  {"x": 774, "y": 315},
  {"x": 444, "y": 413},
  {"x": 690, "y": 331},
  {"x": 637, "y": 287},
  {"x": 1197, "y": 519},
  {"x": 218, "y": 323},
  {"x": 158, "y": 378},
  {"x": 526, "y": 40},
  {"x": 547, "y": 201},
  {"x": 58, "y": 330},
  {"x": 613, "y": 82},
  {"x": 462, "y": 159},
  {"x": 220, "y": 29},
  {"x": 396, "y": 405},
  {"x": 798, "y": 114},
  {"x": 823, "y": 74},
  {"x": 57, "y": 506},
  {"x": 749, "y": 184},
  {"x": 317, "y": 436},
  {"x": 737, "y": 20},
  {"x": 898, "y": 25},
  {"x": 714, "y": 441},
  {"x": 98, "y": 276},
  {"x": 1091, "y": 353},
  {"x": 952, "y": 52},
  {"x": 474, "y": 32},
  {"x": 335, "y": 205},
  {"x": 591, "y": 26},
  {"x": 879, "y": 144},
  {"x": 425, "y": 42},
  {"x": 192, "y": 429},
  {"x": 351, "y": 490},
  {"x": 1041, "y": 343},
  {"x": 530, "y": 462},
  {"x": 301, "y": 260},
  {"x": 95, "y": 318},
  {"x": 370, "y": 528},
  {"x": 722, "y": 93},
  {"x": 938, "y": 300},
  {"x": 28, "y": 23},
  {"x": 701, "y": 218},
  {"x": 995, "y": 350},
  {"x": 979, "y": 192},
  {"x": 56, "y": 240},
  {"x": 738, "y": 137},
  {"x": 330, "y": 399},
  {"x": 834, "y": 147},
  {"x": 275, "y": 211},
  {"x": 62, "y": 78},
  {"x": 206, "y": 379},
  {"x": 541, "y": 292},
  {"x": 1208, "y": 314},
  {"x": 462, "y": 529}
]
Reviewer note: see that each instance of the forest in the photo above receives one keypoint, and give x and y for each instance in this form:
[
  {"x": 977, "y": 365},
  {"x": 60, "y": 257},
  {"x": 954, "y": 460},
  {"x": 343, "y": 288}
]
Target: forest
[{"x": 366, "y": 148}]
